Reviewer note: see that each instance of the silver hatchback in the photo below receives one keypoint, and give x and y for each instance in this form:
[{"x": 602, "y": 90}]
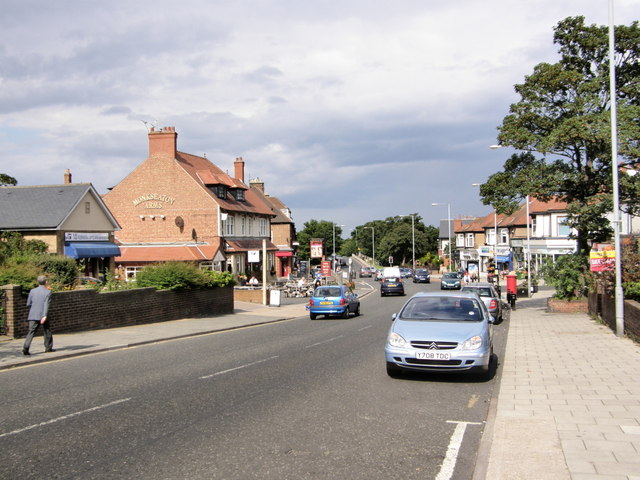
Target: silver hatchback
[
  {"x": 489, "y": 295},
  {"x": 442, "y": 332}
]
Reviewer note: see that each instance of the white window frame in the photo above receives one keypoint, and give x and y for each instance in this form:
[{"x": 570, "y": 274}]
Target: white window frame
[
  {"x": 229, "y": 225},
  {"x": 559, "y": 225},
  {"x": 460, "y": 240},
  {"x": 504, "y": 236},
  {"x": 130, "y": 273},
  {"x": 469, "y": 240},
  {"x": 263, "y": 227}
]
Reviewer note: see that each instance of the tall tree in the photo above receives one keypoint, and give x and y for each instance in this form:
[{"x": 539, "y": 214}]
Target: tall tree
[
  {"x": 7, "y": 180},
  {"x": 563, "y": 115},
  {"x": 322, "y": 230}
]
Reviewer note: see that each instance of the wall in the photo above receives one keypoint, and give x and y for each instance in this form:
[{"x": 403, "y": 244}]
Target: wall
[
  {"x": 80, "y": 310},
  {"x": 603, "y": 306}
]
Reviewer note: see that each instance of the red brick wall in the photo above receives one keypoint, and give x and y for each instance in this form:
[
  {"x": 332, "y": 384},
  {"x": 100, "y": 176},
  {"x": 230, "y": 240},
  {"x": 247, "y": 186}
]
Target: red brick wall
[
  {"x": 555, "y": 305},
  {"x": 163, "y": 176},
  {"x": 80, "y": 310}
]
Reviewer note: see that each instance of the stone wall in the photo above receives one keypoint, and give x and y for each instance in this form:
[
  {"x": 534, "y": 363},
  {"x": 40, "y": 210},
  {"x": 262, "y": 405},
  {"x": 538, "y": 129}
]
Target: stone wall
[{"x": 79, "y": 310}]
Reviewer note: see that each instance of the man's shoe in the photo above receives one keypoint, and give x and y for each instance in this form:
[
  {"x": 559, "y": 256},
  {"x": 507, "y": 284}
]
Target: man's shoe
[
  {"x": 49, "y": 351},
  {"x": 25, "y": 351}
]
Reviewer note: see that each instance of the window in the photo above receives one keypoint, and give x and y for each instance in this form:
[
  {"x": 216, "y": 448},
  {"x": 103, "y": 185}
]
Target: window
[
  {"x": 220, "y": 191},
  {"x": 460, "y": 240},
  {"x": 564, "y": 230},
  {"x": 504, "y": 236},
  {"x": 243, "y": 225},
  {"x": 238, "y": 194},
  {"x": 491, "y": 237},
  {"x": 229, "y": 225},
  {"x": 87, "y": 207},
  {"x": 533, "y": 226},
  {"x": 469, "y": 242},
  {"x": 263, "y": 227},
  {"x": 130, "y": 273}
]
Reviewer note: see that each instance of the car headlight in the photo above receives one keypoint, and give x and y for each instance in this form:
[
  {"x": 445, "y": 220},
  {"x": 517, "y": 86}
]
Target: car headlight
[
  {"x": 473, "y": 343},
  {"x": 396, "y": 340}
]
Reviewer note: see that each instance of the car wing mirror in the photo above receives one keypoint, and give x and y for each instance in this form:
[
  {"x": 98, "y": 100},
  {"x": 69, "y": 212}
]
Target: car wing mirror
[{"x": 394, "y": 316}]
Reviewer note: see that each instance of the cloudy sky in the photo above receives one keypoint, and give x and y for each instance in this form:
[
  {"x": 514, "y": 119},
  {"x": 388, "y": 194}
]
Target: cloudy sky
[{"x": 348, "y": 110}]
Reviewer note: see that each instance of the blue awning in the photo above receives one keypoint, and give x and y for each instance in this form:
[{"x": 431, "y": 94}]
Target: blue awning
[
  {"x": 91, "y": 249},
  {"x": 503, "y": 258}
]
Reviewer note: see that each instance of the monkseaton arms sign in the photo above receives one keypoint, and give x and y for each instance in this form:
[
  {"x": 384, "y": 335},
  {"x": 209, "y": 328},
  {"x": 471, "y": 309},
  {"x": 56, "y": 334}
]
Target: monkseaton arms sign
[{"x": 153, "y": 200}]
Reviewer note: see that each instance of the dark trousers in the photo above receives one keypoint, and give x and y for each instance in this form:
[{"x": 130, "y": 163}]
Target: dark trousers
[{"x": 33, "y": 329}]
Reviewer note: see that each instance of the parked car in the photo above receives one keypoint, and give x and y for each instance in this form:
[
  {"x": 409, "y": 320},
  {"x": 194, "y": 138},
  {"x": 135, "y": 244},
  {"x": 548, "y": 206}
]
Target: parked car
[
  {"x": 450, "y": 281},
  {"x": 422, "y": 275},
  {"x": 489, "y": 295},
  {"x": 441, "y": 332},
  {"x": 330, "y": 300},
  {"x": 389, "y": 285}
]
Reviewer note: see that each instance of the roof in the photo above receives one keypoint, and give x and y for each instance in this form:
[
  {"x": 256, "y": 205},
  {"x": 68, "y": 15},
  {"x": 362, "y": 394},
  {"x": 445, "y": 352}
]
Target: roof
[
  {"x": 44, "y": 207},
  {"x": 206, "y": 173},
  {"x": 166, "y": 253},
  {"x": 275, "y": 205}
]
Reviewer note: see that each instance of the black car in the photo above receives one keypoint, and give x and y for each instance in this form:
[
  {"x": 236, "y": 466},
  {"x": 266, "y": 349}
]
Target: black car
[
  {"x": 390, "y": 285},
  {"x": 422, "y": 275}
]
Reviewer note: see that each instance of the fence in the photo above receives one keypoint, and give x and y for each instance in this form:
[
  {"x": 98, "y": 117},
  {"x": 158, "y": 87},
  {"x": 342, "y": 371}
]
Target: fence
[
  {"x": 603, "y": 306},
  {"x": 79, "y": 310}
]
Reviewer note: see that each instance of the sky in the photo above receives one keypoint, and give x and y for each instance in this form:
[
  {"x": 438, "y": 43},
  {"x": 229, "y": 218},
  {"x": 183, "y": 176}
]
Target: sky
[{"x": 349, "y": 110}]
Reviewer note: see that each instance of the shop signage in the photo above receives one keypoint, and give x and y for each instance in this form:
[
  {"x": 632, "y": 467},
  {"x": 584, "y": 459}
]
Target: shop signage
[
  {"x": 315, "y": 247},
  {"x": 153, "y": 200},
  {"x": 253, "y": 256},
  {"x": 86, "y": 237},
  {"x": 602, "y": 261}
]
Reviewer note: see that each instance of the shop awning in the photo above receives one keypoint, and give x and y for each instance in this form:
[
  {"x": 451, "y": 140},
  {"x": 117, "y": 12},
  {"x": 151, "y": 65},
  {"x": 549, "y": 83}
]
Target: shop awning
[
  {"x": 284, "y": 254},
  {"x": 91, "y": 249}
]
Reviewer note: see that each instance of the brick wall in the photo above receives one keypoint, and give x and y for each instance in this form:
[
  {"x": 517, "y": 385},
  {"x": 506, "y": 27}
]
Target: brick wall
[
  {"x": 555, "y": 305},
  {"x": 80, "y": 310},
  {"x": 604, "y": 307}
]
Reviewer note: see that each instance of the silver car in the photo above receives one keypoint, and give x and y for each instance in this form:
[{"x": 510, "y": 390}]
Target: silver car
[
  {"x": 442, "y": 332},
  {"x": 489, "y": 295}
]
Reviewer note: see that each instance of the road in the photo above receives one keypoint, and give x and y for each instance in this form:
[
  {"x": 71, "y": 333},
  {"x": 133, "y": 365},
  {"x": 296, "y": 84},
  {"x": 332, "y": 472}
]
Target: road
[{"x": 298, "y": 399}]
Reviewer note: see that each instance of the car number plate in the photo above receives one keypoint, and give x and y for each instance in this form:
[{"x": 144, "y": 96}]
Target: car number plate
[
  {"x": 433, "y": 355},
  {"x": 326, "y": 303}
]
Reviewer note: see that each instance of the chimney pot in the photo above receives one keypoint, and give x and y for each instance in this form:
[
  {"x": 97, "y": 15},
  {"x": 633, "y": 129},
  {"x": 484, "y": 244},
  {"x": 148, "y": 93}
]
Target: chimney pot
[
  {"x": 163, "y": 142},
  {"x": 239, "y": 169},
  {"x": 67, "y": 177}
]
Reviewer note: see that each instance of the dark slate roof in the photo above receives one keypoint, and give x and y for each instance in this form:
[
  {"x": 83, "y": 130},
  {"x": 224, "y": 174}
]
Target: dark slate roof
[{"x": 39, "y": 207}]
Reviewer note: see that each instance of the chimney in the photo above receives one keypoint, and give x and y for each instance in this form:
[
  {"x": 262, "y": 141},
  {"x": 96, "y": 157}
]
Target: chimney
[
  {"x": 239, "y": 169},
  {"x": 163, "y": 142},
  {"x": 257, "y": 184},
  {"x": 67, "y": 177}
]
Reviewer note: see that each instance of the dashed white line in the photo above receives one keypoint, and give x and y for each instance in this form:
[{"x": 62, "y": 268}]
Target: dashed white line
[
  {"x": 65, "y": 417},
  {"x": 238, "y": 368},
  {"x": 449, "y": 463},
  {"x": 324, "y": 341},
  {"x": 365, "y": 327}
]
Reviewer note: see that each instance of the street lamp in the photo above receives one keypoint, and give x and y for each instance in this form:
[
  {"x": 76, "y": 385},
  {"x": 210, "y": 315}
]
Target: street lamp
[
  {"x": 449, "y": 227},
  {"x": 373, "y": 243},
  {"x": 334, "y": 243}
]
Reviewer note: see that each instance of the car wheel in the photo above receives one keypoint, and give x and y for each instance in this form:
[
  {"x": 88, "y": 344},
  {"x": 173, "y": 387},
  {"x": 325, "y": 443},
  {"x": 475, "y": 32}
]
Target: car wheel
[
  {"x": 357, "y": 312},
  {"x": 393, "y": 371},
  {"x": 345, "y": 313},
  {"x": 312, "y": 316}
]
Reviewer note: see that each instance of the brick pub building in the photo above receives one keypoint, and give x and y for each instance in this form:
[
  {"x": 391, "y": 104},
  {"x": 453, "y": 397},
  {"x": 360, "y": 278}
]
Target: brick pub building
[{"x": 180, "y": 207}]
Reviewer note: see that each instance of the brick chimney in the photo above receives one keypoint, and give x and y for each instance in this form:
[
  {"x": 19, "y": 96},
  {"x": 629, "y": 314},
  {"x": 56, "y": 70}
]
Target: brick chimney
[
  {"x": 257, "y": 184},
  {"x": 163, "y": 142},
  {"x": 239, "y": 169},
  {"x": 67, "y": 177}
]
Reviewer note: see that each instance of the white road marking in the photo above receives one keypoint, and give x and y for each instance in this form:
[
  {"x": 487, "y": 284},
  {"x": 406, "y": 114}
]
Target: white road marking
[
  {"x": 364, "y": 328},
  {"x": 449, "y": 463},
  {"x": 65, "y": 417},
  {"x": 324, "y": 341},
  {"x": 238, "y": 368}
]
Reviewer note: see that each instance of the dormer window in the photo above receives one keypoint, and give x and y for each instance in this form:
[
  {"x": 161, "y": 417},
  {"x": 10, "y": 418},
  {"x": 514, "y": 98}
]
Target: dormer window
[
  {"x": 220, "y": 191},
  {"x": 238, "y": 194}
]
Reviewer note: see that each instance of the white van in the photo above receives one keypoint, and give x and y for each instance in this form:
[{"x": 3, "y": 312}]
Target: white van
[{"x": 391, "y": 272}]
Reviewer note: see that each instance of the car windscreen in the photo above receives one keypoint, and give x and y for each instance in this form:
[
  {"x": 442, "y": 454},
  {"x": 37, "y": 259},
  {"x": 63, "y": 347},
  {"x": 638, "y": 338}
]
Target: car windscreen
[
  {"x": 450, "y": 275},
  {"x": 391, "y": 280},
  {"x": 483, "y": 292},
  {"x": 442, "y": 308},
  {"x": 327, "y": 292}
]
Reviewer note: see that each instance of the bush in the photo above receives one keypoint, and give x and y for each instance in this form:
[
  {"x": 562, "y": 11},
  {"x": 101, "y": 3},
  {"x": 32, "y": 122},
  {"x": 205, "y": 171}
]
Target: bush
[
  {"x": 62, "y": 271},
  {"x": 23, "y": 274},
  {"x": 219, "y": 279},
  {"x": 171, "y": 276},
  {"x": 568, "y": 275},
  {"x": 631, "y": 291}
]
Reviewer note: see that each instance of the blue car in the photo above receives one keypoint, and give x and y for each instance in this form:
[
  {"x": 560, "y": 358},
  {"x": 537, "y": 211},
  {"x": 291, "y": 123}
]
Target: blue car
[
  {"x": 450, "y": 281},
  {"x": 441, "y": 332},
  {"x": 330, "y": 300}
]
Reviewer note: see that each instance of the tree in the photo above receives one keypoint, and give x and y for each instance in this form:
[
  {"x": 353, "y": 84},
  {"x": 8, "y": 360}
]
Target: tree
[
  {"x": 7, "y": 180},
  {"x": 318, "y": 229},
  {"x": 564, "y": 115}
]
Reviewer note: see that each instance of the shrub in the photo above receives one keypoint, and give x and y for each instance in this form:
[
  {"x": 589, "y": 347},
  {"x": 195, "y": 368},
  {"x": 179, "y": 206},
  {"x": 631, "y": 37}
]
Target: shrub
[
  {"x": 62, "y": 271},
  {"x": 23, "y": 274},
  {"x": 171, "y": 276},
  {"x": 631, "y": 291},
  {"x": 219, "y": 279},
  {"x": 568, "y": 275}
]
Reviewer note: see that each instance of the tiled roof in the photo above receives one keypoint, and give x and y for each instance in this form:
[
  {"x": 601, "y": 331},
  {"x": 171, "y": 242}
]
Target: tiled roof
[
  {"x": 43, "y": 207},
  {"x": 166, "y": 253}
]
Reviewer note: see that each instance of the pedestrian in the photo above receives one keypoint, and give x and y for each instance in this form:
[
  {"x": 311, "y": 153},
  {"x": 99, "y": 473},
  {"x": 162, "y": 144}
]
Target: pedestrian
[
  {"x": 38, "y": 303},
  {"x": 253, "y": 281}
]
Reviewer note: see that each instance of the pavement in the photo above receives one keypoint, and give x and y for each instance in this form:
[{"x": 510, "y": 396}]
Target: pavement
[{"x": 567, "y": 403}]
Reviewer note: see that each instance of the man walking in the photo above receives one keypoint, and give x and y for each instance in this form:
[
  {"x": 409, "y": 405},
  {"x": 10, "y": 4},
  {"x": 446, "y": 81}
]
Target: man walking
[{"x": 38, "y": 303}]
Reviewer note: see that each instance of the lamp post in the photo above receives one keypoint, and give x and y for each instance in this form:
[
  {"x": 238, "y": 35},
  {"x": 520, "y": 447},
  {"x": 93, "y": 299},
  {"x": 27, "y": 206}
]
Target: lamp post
[
  {"x": 449, "y": 227},
  {"x": 334, "y": 244},
  {"x": 413, "y": 239},
  {"x": 373, "y": 243},
  {"x": 528, "y": 252}
]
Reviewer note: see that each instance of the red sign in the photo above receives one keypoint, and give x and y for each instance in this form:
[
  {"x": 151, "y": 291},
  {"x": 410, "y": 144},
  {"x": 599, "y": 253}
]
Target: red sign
[
  {"x": 325, "y": 268},
  {"x": 602, "y": 261}
]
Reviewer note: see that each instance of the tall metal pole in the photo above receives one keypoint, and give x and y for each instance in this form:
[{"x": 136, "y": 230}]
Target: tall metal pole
[
  {"x": 495, "y": 248},
  {"x": 373, "y": 243},
  {"x": 619, "y": 294},
  {"x": 449, "y": 225}
]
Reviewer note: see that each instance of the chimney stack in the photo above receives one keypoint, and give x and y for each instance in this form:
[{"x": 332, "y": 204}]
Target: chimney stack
[
  {"x": 257, "y": 184},
  {"x": 163, "y": 142},
  {"x": 239, "y": 169},
  {"x": 67, "y": 177}
]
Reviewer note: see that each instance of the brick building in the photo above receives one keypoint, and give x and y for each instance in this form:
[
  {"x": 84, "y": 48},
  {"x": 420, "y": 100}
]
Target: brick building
[{"x": 180, "y": 207}]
